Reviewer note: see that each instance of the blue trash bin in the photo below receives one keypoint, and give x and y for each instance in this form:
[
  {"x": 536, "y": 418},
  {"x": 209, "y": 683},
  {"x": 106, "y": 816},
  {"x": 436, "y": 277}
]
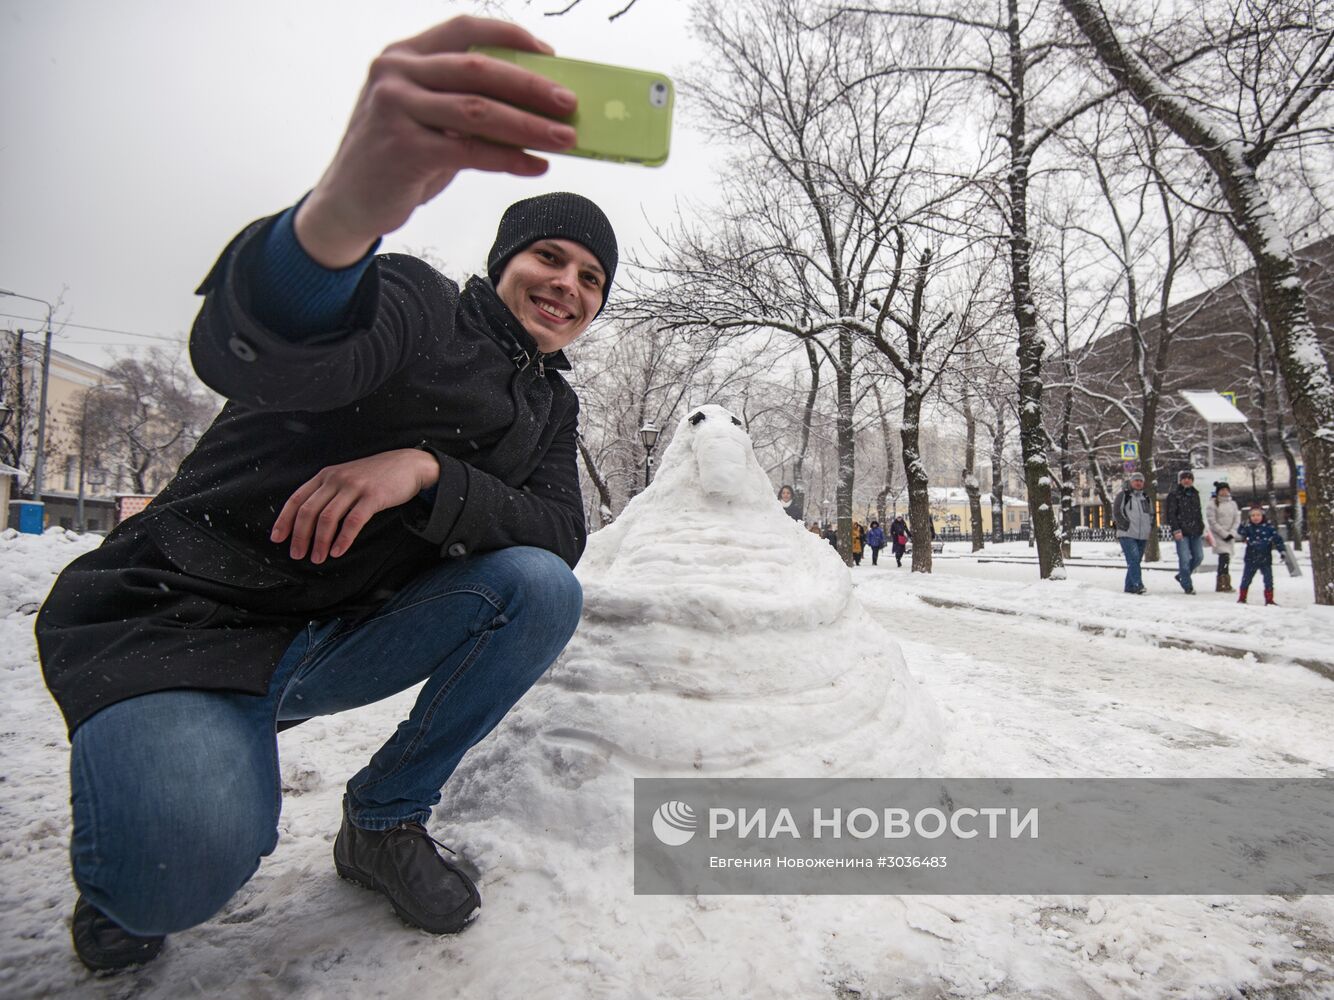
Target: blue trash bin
[{"x": 28, "y": 516}]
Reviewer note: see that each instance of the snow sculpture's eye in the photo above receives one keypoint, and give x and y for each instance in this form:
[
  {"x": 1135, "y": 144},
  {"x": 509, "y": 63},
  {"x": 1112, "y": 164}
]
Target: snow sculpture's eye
[
  {"x": 736, "y": 421},
  {"x": 696, "y": 417}
]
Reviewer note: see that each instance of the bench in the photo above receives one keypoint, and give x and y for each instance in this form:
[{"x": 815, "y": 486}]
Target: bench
[{"x": 937, "y": 546}]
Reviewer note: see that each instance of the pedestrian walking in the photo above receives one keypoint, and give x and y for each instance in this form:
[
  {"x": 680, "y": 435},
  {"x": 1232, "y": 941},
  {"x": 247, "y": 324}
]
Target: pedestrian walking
[
  {"x": 858, "y": 542},
  {"x": 1262, "y": 538},
  {"x": 1134, "y": 523},
  {"x": 899, "y": 534},
  {"x": 1185, "y": 518},
  {"x": 875, "y": 540},
  {"x": 1223, "y": 517}
]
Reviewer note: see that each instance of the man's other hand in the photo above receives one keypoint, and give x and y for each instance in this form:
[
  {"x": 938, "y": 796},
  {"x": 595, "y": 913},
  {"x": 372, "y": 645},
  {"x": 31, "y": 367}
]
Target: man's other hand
[
  {"x": 332, "y": 507},
  {"x": 429, "y": 109}
]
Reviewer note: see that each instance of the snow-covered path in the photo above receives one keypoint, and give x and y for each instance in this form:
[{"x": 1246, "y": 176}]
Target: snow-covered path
[
  {"x": 1059, "y": 700},
  {"x": 1019, "y": 696}
]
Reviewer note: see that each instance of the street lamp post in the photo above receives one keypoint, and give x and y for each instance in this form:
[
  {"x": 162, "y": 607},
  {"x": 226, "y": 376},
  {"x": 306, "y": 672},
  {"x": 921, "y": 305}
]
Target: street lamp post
[
  {"x": 39, "y": 464},
  {"x": 648, "y": 436}
]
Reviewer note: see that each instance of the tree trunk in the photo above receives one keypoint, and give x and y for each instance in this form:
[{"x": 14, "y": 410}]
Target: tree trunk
[
  {"x": 847, "y": 447},
  {"x": 1295, "y": 532},
  {"x": 1067, "y": 471},
  {"x": 970, "y": 483},
  {"x": 919, "y": 494},
  {"x": 1045, "y": 529},
  {"x": 998, "y": 478},
  {"x": 888, "y": 486},
  {"x": 1095, "y": 471},
  {"x": 599, "y": 484},
  {"x": 807, "y": 414},
  {"x": 17, "y": 427},
  {"x": 1148, "y": 462},
  {"x": 1306, "y": 371}
]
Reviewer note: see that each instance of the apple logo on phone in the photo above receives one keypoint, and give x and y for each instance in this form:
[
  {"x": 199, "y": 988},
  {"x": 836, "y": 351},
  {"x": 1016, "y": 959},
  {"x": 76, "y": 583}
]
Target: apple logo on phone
[{"x": 615, "y": 111}]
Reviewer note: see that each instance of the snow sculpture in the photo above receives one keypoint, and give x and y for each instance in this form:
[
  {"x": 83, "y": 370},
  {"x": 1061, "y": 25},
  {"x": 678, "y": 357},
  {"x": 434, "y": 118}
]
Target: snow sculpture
[{"x": 719, "y": 638}]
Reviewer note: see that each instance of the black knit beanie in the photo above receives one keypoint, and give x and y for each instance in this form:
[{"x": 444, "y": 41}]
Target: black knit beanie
[{"x": 562, "y": 216}]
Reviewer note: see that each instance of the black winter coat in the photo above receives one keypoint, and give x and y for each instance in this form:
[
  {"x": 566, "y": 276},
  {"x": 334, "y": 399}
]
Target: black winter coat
[
  {"x": 192, "y": 594},
  {"x": 899, "y": 529},
  {"x": 1183, "y": 512}
]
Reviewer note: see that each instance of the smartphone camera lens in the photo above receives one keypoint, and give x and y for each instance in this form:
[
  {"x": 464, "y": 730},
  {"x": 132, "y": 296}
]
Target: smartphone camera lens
[{"x": 657, "y": 94}]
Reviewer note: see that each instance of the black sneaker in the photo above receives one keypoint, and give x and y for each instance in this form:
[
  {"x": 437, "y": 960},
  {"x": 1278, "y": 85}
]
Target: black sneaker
[
  {"x": 104, "y": 945},
  {"x": 403, "y": 865},
  {"x": 1140, "y": 590}
]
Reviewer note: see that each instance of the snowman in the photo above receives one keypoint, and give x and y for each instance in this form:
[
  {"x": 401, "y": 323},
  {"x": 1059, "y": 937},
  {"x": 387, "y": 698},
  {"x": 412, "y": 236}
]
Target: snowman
[{"x": 719, "y": 639}]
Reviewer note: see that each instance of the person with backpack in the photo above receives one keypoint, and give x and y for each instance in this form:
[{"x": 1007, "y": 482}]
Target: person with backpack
[{"x": 1134, "y": 525}]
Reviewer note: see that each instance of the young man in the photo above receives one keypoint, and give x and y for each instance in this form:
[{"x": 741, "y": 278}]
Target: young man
[
  {"x": 390, "y": 496},
  {"x": 1134, "y": 524},
  {"x": 1185, "y": 516}
]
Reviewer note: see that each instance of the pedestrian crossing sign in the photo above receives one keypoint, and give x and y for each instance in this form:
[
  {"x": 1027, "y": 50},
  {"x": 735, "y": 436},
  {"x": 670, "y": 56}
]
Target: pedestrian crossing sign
[
  {"x": 1129, "y": 451},
  {"x": 1231, "y": 397}
]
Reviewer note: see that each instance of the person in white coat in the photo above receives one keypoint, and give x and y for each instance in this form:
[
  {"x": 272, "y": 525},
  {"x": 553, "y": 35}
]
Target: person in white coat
[{"x": 1223, "y": 517}]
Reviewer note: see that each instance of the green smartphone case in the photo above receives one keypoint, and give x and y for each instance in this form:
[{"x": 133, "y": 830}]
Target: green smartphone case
[{"x": 624, "y": 115}]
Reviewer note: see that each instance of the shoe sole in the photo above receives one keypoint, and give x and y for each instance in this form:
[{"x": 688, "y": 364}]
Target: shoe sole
[{"x": 363, "y": 880}]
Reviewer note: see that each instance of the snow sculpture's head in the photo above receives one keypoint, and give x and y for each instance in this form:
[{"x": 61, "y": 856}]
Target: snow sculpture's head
[
  {"x": 721, "y": 448},
  {"x": 711, "y": 454},
  {"x": 708, "y": 545}
]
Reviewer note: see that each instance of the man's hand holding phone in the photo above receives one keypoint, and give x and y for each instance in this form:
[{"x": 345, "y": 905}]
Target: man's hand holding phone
[{"x": 429, "y": 109}]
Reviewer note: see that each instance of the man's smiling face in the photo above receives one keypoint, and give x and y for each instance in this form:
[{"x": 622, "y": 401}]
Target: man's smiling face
[{"x": 554, "y": 288}]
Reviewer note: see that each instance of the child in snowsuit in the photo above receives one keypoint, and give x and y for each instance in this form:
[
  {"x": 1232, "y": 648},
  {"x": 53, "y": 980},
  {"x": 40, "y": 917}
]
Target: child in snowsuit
[{"x": 1261, "y": 540}]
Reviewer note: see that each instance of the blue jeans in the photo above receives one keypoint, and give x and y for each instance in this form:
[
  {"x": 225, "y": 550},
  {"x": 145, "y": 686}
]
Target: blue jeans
[
  {"x": 176, "y": 794},
  {"x": 1265, "y": 569},
  {"x": 1190, "y": 553},
  {"x": 1134, "y": 553}
]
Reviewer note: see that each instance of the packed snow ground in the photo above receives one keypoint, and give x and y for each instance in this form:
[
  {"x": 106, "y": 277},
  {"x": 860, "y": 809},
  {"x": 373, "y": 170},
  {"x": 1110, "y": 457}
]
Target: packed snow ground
[{"x": 1017, "y": 696}]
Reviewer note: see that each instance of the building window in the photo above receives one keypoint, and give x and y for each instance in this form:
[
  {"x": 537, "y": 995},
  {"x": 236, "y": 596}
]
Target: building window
[{"x": 71, "y": 471}]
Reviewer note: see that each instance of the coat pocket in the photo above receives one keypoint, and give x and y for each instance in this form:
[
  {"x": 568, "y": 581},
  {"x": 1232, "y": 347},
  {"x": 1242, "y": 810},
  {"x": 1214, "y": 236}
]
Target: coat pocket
[{"x": 206, "y": 554}]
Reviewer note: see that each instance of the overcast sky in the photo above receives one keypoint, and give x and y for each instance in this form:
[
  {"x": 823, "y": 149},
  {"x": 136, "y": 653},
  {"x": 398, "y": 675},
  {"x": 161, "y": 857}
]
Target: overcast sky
[{"x": 137, "y": 137}]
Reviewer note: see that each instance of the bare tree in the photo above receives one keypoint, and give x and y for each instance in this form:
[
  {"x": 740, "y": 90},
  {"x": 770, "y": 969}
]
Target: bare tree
[
  {"x": 969, "y": 474},
  {"x": 151, "y": 417},
  {"x": 1255, "y": 95},
  {"x": 21, "y": 414},
  {"x": 1150, "y": 241},
  {"x": 835, "y": 169},
  {"x": 631, "y": 373}
]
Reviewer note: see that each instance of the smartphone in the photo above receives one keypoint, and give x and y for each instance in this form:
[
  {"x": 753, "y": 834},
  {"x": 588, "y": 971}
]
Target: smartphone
[{"x": 624, "y": 115}]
